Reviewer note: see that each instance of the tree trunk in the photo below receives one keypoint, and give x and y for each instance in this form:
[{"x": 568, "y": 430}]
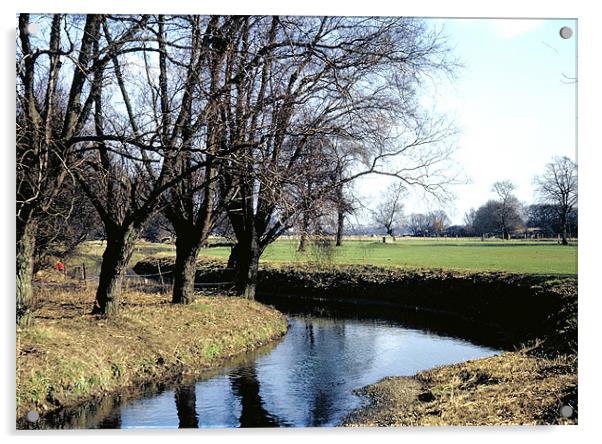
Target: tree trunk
[
  {"x": 247, "y": 268},
  {"x": 252, "y": 276},
  {"x": 233, "y": 258},
  {"x": 564, "y": 224},
  {"x": 184, "y": 270},
  {"x": 304, "y": 230},
  {"x": 26, "y": 240},
  {"x": 302, "y": 242},
  {"x": 120, "y": 246},
  {"x": 340, "y": 226}
]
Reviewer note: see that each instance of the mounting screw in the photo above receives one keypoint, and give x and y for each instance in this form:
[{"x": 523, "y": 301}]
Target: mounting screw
[
  {"x": 32, "y": 416},
  {"x": 566, "y": 411},
  {"x": 566, "y": 32},
  {"x": 32, "y": 28}
]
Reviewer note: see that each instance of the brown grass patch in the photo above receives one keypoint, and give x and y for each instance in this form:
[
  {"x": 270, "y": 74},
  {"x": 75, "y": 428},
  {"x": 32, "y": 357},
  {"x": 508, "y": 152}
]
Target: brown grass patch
[
  {"x": 511, "y": 389},
  {"x": 69, "y": 355}
]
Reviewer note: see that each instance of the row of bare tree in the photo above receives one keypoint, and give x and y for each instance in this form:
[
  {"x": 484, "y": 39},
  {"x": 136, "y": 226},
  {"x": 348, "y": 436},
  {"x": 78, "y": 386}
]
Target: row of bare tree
[
  {"x": 555, "y": 210},
  {"x": 556, "y": 193},
  {"x": 260, "y": 119},
  {"x": 389, "y": 215}
]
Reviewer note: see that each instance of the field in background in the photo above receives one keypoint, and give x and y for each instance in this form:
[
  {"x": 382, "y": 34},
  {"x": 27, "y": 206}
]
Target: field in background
[
  {"x": 89, "y": 254},
  {"x": 520, "y": 256}
]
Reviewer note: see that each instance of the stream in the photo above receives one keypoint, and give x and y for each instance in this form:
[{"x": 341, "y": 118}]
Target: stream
[{"x": 307, "y": 379}]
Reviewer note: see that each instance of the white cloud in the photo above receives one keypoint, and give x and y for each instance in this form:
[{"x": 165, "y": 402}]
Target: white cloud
[{"x": 509, "y": 28}]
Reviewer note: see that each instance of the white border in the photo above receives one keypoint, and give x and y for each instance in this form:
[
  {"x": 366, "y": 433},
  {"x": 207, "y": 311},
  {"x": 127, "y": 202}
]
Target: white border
[{"x": 589, "y": 163}]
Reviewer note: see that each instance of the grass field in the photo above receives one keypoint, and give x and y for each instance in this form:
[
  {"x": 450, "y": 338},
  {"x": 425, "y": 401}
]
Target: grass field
[
  {"x": 534, "y": 257},
  {"x": 513, "y": 256}
]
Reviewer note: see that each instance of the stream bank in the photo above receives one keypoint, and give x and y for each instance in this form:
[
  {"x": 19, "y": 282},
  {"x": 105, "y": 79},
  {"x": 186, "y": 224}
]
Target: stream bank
[
  {"x": 69, "y": 356},
  {"x": 514, "y": 388},
  {"x": 520, "y": 309},
  {"x": 533, "y": 317}
]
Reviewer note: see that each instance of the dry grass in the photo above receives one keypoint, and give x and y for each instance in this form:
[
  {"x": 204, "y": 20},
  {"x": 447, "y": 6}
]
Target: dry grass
[
  {"x": 68, "y": 355},
  {"x": 511, "y": 389}
]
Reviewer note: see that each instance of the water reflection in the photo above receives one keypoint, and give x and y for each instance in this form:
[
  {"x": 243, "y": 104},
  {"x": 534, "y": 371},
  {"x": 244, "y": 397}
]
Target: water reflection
[
  {"x": 439, "y": 323},
  {"x": 186, "y": 406},
  {"x": 245, "y": 386},
  {"x": 317, "y": 366},
  {"x": 307, "y": 379}
]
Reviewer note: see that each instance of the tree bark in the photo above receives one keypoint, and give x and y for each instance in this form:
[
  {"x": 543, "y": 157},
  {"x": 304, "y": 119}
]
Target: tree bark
[
  {"x": 252, "y": 275},
  {"x": 120, "y": 246},
  {"x": 185, "y": 269},
  {"x": 564, "y": 230},
  {"x": 302, "y": 242},
  {"x": 304, "y": 230},
  {"x": 340, "y": 226},
  {"x": 26, "y": 240},
  {"x": 233, "y": 257},
  {"x": 247, "y": 268}
]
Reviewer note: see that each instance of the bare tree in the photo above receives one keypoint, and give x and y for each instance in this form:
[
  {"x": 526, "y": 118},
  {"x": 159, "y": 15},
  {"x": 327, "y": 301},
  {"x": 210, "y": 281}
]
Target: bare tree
[
  {"x": 469, "y": 218},
  {"x": 140, "y": 146},
  {"x": 389, "y": 212},
  {"x": 493, "y": 217},
  {"x": 558, "y": 186},
  {"x": 314, "y": 205},
  {"x": 508, "y": 208},
  {"x": 304, "y": 84},
  {"x": 438, "y": 221},
  {"x": 192, "y": 204},
  {"x": 48, "y": 123},
  {"x": 328, "y": 193},
  {"x": 126, "y": 156},
  {"x": 418, "y": 224},
  {"x": 188, "y": 113},
  {"x": 433, "y": 223}
]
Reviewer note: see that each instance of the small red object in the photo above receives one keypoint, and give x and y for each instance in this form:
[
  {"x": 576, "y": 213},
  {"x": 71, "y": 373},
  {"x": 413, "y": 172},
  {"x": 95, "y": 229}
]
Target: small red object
[{"x": 60, "y": 266}]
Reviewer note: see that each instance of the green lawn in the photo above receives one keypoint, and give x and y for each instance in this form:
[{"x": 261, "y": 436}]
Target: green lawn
[{"x": 538, "y": 257}]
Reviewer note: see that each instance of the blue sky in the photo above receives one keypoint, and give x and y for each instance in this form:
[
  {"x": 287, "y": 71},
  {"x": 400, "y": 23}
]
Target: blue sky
[{"x": 511, "y": 101}]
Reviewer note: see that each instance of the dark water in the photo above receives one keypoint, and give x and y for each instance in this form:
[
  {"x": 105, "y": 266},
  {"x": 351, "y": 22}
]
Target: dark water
[{"x": 307, "y": 379}]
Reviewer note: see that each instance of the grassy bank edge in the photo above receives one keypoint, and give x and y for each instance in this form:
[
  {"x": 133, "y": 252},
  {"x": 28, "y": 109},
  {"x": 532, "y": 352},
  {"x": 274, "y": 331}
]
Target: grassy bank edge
[
  {"x": 523, "y": 307},
  {"x": 65, "y": 362},
  {"x": 513, "y": 388}
]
